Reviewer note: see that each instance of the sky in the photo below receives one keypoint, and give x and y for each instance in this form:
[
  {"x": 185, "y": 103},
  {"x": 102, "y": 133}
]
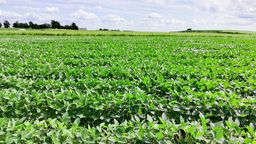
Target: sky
[{"x": 137, "y": 15}]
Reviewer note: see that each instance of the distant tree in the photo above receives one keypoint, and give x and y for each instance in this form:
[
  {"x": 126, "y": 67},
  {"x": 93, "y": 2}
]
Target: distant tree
[
  {"x": 44, "y": 26},
  {"x": 36, "y": 26},
  {"x": 15, "y": 24},
  {"x": 26, "y": 25},
  {"x": 55, "y": 24},
  {"x": 6, "y": 24},
  {"x": 67, "y": 27},
  {"x": 74, "y": 26},
  {"x": 189, "y": 29},
  {"x": 23, "y": 25},
  {"x": 103, "y": 29},
  {"x": 31, "y": 25}
]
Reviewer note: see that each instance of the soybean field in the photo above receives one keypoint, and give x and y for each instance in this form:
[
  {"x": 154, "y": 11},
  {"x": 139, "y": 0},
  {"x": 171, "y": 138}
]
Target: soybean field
[{"x": 163, "y": 88}]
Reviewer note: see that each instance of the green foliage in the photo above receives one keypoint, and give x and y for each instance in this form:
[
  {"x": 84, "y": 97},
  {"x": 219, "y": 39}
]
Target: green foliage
[
  {"x": 6, "y": 24},
  {"x": 147, "y": 89}
]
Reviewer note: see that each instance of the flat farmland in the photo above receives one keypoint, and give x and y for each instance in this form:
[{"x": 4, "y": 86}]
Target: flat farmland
[{"x": 165, "y": 88}]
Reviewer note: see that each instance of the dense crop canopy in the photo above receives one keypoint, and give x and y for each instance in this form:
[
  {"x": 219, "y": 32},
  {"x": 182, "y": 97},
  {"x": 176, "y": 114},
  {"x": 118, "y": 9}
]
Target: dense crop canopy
[{"x": 152, "y": 89}]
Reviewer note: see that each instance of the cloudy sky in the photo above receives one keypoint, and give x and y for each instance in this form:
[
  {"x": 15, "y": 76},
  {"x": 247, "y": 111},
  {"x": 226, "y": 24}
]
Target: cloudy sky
[{"x": 140, "y": 15}]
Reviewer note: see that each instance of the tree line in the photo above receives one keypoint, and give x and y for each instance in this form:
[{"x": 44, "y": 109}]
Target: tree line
[
  {"x": 54, "y": 24},
  {"x": 104, "y": 29}
]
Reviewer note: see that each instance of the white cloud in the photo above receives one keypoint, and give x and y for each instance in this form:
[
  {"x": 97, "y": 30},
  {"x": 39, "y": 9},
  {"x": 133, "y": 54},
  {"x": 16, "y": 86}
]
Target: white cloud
[
  {"x": 153, "y": 15},
  {"x": 84, "y": 15},
  {"x": 52, "y": 9},
  {"x": 38, "y": 17},
  {"x": 160, "y": 1},
  {"x": 3, "y": 1},
  {"x": 230, "y": 20},
  {"x": 10, "y": 14},
  {"x": 116, "y": 19},
  {"x": 153, "y": 19},
  {"x": 175, "y": 21},
  {"x": 225, "y": 20},
  {"x": 227, "y": 6},
  {"x": 99, "y": 7}
]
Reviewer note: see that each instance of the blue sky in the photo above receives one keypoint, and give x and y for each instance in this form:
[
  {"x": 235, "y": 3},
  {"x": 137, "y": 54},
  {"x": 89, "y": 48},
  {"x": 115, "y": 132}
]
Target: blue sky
[{"x": 140, "y": 15}]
